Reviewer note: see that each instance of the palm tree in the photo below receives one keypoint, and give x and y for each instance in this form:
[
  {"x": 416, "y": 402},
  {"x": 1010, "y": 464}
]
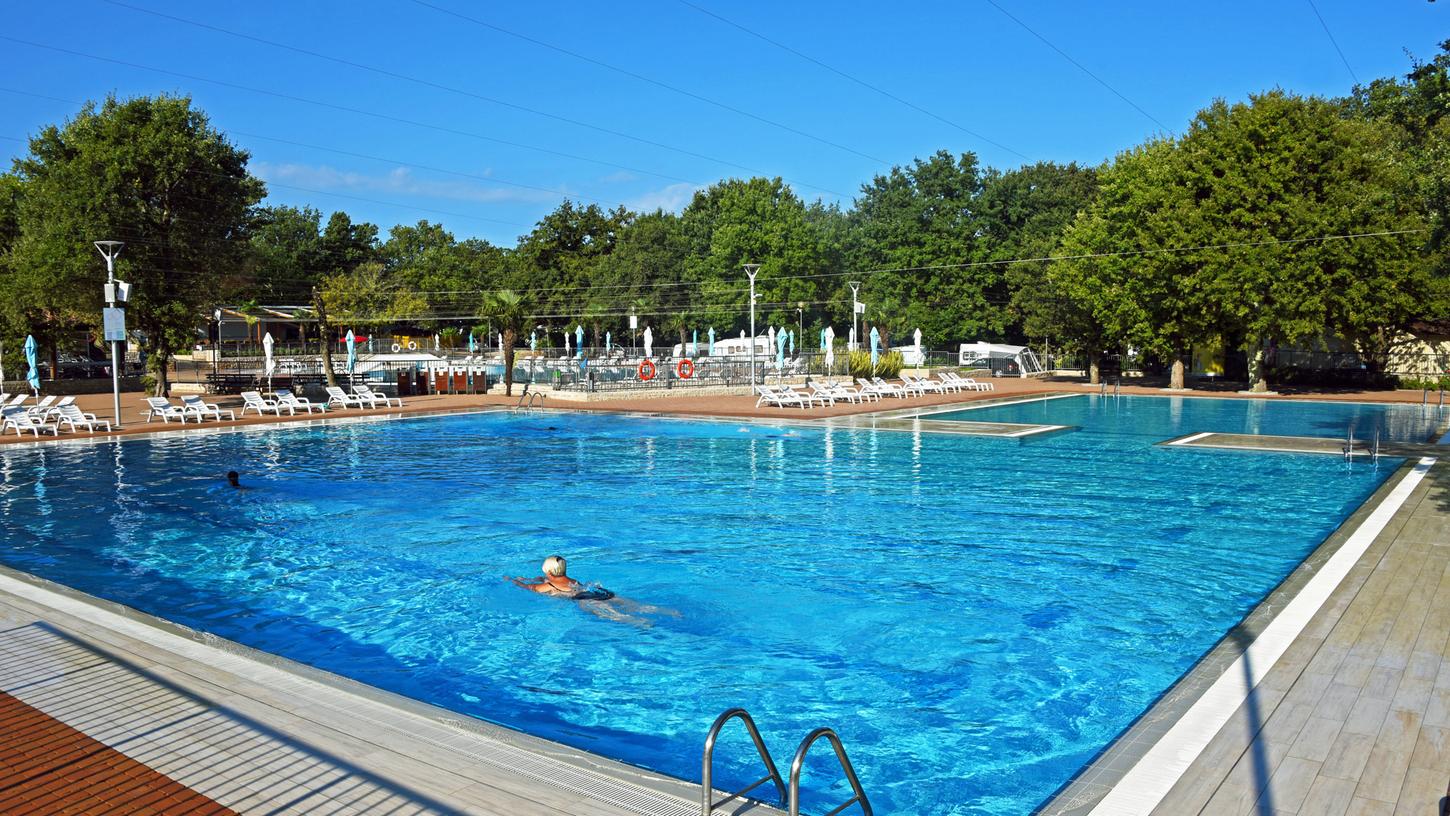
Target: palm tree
[{"x": 511, "y": 311}]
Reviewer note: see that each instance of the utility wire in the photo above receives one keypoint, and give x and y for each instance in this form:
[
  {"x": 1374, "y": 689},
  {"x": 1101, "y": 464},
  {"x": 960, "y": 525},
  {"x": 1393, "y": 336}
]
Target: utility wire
[
  {"x": 400, "y": 162},
  {"x": 384, "y": 202},
  {"x": 429, "y": 84},
  {"x": 649, "y": 80},
  {"x": 837, "y": 71},
  {"x": 1333, "y": 42},
  {"x": 1078, "y": 65}
]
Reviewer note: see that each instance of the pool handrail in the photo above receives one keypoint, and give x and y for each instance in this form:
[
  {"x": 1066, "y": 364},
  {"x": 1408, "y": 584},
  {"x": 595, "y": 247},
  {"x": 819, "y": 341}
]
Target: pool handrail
[
  {"x": 794, "y": 798},
  {"x": 707, "y": 803}
]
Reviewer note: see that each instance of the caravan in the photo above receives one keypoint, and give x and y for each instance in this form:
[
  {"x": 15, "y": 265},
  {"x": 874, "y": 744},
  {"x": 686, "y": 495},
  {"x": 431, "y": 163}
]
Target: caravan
[{"x": 1000, "y": 359}]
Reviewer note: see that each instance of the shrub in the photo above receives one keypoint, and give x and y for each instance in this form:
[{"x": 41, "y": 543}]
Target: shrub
[
  {"x": 888, "y": 364},
  {"x": 1419, "y": 383}
]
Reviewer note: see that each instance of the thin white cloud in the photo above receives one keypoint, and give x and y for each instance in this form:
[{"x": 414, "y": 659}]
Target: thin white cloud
[
  {"x": 619, "y": 177},
  {"x": 399, "y": 181},
  {"x": 671, "y": 199}
]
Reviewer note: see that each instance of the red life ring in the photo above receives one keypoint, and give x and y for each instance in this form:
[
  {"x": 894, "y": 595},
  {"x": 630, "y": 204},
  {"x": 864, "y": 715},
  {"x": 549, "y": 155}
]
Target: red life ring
[
  {"x": 685, "y": 369},
  {"x": 647, "y": 370}
]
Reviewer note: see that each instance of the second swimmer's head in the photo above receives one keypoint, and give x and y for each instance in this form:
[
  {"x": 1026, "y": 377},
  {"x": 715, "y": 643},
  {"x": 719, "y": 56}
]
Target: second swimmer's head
[{"x": 555, "y": 565}]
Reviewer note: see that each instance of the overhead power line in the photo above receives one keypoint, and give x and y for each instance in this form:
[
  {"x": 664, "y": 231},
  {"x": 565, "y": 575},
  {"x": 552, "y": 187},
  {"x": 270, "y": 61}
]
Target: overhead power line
[
  {"x": 1078, "y": 65},
  {"x": 1333, "y": 42},
  {"x": 837, "y": 71},
  {"x": 423, "y": 82},
  {"x": 648, "y": 80},
  {"x": 385, "y": 160},
  {"x": 349, "y": 196}
]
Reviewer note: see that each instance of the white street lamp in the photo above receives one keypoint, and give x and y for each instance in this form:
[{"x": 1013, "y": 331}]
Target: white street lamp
[
  {"x": 751, "y": 269},
  {"x": 855, "y": 310},
  {"x": 113, "y": 321}
]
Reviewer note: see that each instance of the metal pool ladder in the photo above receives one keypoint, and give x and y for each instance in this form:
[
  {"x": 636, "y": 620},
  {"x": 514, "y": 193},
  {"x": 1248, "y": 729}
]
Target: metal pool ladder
[
  {"x": 526, "y": 401},
  {"x": 790, "y": 795}
]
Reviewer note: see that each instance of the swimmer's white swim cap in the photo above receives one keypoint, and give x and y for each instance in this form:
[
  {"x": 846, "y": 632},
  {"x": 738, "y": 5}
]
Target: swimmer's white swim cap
[{"x": 554, "y": 565}]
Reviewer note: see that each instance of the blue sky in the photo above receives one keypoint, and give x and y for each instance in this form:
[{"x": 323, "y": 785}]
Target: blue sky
[{"x": 736, "y": 105}]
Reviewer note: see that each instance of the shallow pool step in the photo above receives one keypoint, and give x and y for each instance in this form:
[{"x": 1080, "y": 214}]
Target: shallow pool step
[{"x": 1298, "y": 444}]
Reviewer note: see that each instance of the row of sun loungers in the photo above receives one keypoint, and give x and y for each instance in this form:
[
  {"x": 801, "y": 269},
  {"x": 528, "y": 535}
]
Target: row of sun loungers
[
  {"x": 46, "y": 416},
  {"x": 872, "y": 390},
  {"x": 194, "y": 407}
]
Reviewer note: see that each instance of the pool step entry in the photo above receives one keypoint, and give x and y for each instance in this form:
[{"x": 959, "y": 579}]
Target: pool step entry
[{"x": 789, "y": 794}]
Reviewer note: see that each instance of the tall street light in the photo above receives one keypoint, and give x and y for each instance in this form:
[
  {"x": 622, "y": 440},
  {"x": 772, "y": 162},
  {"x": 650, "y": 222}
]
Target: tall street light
[
  {"x": 114, "y": 320},
  {"x": 800, "y": 321},
  {"x": 855, "y": 310},
  {"x": 751, "y": 269}
]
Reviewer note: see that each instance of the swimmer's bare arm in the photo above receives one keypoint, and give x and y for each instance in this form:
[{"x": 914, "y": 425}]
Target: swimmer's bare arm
[{"x": 540, "y": 586}]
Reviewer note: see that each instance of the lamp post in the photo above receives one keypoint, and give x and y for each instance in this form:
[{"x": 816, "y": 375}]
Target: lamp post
[
  {"x": 800, "y": 321},
  {"x": 855, "y": 332},
  {"x": 114, "y": 322},
  {"x": 751, "y": 269},
  {"x": 216, "y": 349}
]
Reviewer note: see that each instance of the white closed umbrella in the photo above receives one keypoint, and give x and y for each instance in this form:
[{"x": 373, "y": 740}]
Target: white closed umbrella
[
  {"x": 649, "y": 342},
  {"x": 268, "y": 364},
  {"x": 830, "y": 348},
  {"x": 918, "y": 338}
]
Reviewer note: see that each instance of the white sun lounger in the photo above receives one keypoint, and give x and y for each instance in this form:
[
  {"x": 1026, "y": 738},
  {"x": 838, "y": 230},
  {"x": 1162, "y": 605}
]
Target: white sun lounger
[
  {"x": 54, "y": 411},
  {"x": 72, "y": 415},
  {"x": 375, "y": 397},
  {"x": 290, "y": 400},
  {"x": 337, "y": 396},
  {"x": 254, "y": 401},
  {"x": 967, "y": 382},
  {"x": 885, "y": 388},
  {"x": 21, "y": 420},
  {"x": 201, "y": 409},
  {"x": 779, "y": 397},
  {"x": 923, "y": 385},
  {"x": 162, "y": 407},
  {"x": 18, "y": 401},
  {"x": 38, "y": 409}
]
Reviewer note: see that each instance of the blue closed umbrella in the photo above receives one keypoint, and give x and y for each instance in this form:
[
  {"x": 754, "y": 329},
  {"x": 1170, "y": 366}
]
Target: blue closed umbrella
[
  {"x": 875, "y": 347},
  {"x": 579, "y": 338},
  {"x": 695, "y": 342},
  {"x": 533, "y": 341},
  {"x": 351, "y": 353},
  {"x": 712, "y": 341},
  {"x": 34, "y": 377},
  {"x": 823, "y": 339},
  {"x": 608, "y": 342},
  {"x": 780, "y": 351},
  {"x": 472, "y": 344}
]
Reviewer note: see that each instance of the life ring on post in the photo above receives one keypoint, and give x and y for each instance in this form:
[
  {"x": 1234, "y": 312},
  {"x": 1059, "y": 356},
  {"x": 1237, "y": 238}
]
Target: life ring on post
[
  {"x": 647, "y": 370},
  {"x": 685, "y": 368},
  {"x": 412, "y": 345},
  {"x": 397, "y": 348}
]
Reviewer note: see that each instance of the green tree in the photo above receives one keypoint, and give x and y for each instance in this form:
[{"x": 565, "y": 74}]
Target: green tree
[
  {"x": 1024, "y": 215},
  {"x": 1273, "y": 177},
  {"x": 1116, "y": 297},
  {"x": 511, "y": 311},
  {"x": 916, "y": 229},
  {"x": 148, "y": 171},
  {"x": 366, "y": 296},
  {"x": 287, "y": 253},
  {"x": 736, "y": 222}
]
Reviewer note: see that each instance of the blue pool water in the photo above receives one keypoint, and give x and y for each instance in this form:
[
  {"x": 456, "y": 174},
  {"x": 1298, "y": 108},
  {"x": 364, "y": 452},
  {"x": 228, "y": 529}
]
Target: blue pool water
[{"x": 977, "y": 617}]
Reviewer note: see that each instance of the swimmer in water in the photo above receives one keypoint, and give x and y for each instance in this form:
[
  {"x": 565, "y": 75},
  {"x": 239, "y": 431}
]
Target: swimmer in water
[
  {"x": 555, "y": 581},
  {"x": 234, "y": 479},
  {"x": 594, "y": 599}
]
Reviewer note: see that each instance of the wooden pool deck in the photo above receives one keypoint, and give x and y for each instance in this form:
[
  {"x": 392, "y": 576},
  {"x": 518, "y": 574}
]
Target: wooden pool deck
[
  {"x": 225, "y": 729},
  {"x": 1353, "y": 719}
]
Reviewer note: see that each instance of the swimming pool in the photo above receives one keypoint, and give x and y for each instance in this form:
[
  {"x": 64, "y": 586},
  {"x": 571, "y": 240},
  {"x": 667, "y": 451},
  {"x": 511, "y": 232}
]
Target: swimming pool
[{"x": 977, "y": 617}]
